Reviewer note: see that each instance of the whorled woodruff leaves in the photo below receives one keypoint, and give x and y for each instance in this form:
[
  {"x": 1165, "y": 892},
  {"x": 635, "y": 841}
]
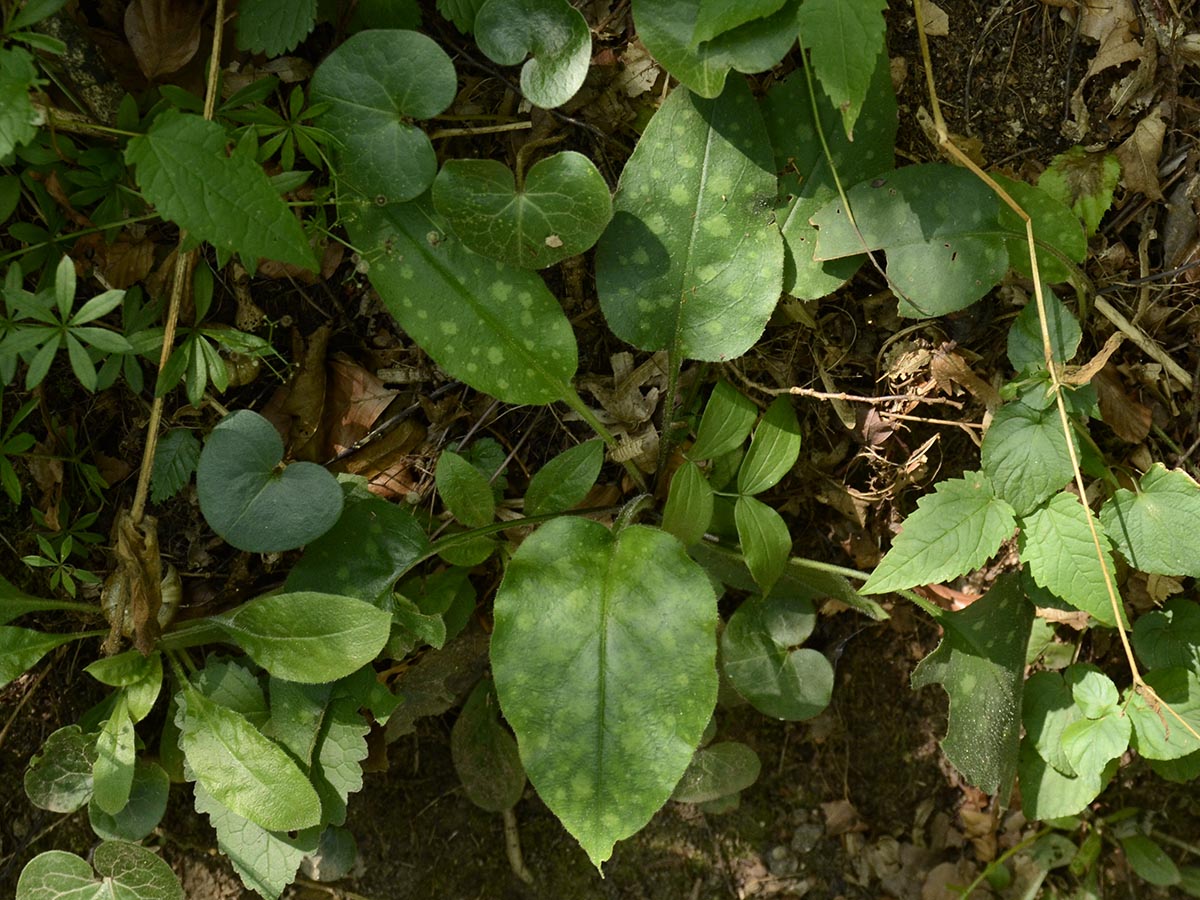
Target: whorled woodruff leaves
[{"x": 692, "y": 261}]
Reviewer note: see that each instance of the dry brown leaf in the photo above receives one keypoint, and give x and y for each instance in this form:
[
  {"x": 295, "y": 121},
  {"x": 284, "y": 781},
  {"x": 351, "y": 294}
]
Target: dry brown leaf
[
  {"x": 1100, "y": 18},
  {"x": 163, "y": 34},
  {"x": 354, "y": 399},
  {"x": 949, "y": 367},
  {"x": 305, "y": 401},
  {"x": 1140, "y": 153},
  {"x": 841, "y": 818},
  {"x": 1083, "y": 374},
  {"x": 935, "y": 20},
  {"x": 139, "y": 573},
  {"x": 1128, "y": 418}
]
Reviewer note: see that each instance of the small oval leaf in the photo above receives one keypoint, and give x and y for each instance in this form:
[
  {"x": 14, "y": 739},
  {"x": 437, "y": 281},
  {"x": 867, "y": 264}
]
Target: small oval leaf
[
  {"x": 564, "y": 481},
  {"x": 726, "y": 423},
  {"x": 464, "y": 490},
  {"x": 689, "y": 508},
  {"x": 773, "y": 451},
  {"x": 718, "y": 771},
  {"x": 485, "y": 754}
]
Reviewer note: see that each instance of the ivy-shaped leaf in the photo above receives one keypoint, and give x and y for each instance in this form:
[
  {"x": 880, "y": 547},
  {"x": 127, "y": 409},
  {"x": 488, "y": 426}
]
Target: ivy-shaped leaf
[
  {"x": 224, "y": 198},
  {"x": 560, "y": 210},
  {"x": 374, "y": 84},
  {"x": 565, "y": 480},
  {"x": 553, "y": 32},
  {"x": 692, "y": 261},
  {"x": 123, "y": 871},
  {"x": 981, "y": 664},
  {"x": 1155, "y": 528},
  {"x": 1025, "y": 455},
  {"x": 844, "y": 39},
  {"x": 59, "y": 777},
  {"x": 953, "y": 530},
  {"x": 274, "y": 27},
  {"x": 607, "y": 706}
]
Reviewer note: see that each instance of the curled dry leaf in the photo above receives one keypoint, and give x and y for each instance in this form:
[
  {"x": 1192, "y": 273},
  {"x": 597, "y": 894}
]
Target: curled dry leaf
[
  {"x": 1140, "y": 153},
  {"x": 1127, "y": 417},
  {"x": 163, "y": 34}
]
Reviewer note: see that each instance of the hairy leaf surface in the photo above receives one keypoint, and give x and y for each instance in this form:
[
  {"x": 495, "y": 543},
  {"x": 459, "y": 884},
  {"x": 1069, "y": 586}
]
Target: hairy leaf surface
[{"x": 1025, "y": 455}]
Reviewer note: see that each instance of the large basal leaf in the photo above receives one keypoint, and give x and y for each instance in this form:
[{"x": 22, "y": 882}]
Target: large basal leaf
[
  {"x": 930, "y": 218},
  {"x": 561, "y": 209},
  {"x": 953, "y": 530},
  {"x": 485, "y": 754},
  {"x": 222, "y": 197},
  {"x": 308, "y": 637},
  {"x": 668, "y": 29},
  {"x": 1056, "y": 543},
  {"x": 604, "y": 654},
  {"x": 21, "y": 648},
  {"x": 981, "y": 664},
  {"x": 253, "y": 504},
  {"x": 273, "y": 27},
  {"x": 1156, "y": 528},
  {"x": 1025, "y": 455},
  {"x": 59, "y": 777},
  {"x": 692, "y": 262},
  {"x": 241, "y": 769},
  {"x": 123, "y": 872},
  {"x": 18, "y": 118},
  {"x": 492, "y": 326},
  {"x": 553, "y": 32},
  {"x": 806, "y": 181},
  {"x": 374, "y": 84},
  {"x": 844, "y": 39},
  {"x": 1169, "y": 636}
]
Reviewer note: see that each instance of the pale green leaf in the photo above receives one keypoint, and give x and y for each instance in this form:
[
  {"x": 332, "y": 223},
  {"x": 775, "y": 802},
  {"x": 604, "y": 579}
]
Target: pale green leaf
[
  {"x": 981, "y": 664},
  {"x": 229, "y": 683},
  {"x": 1157, "y": 734},
  {"x": 124, "y": 872},
  {"x": 297, "y": 711},
  {"x": 273, "y": 27},
  {"x": 1083, "y": 180},
  {"x": 765, "y": 540},
  {"x": 112, "y": 773},
  {"x": 224, "y": 198},
  {"x": 59, "y": 777},
  {"x": 928, "y": 218},
  {"x": 1025, "y": 348},
  {"x": 692, "y": 261},
  {"x": 553, "y": 32},
  {"x": 1025, "y": 455},
  {"x": 145, "y": 809},
  {"x": 1093, "y": 691},
  {"x": 375, "y": 83},
  {"x": 718, "y": 770},
  {"x": 485, "y": 754},
  {"x": 953, "y": 530},
  {"x": 1057, "y": 545},
  {"x": 1090, "y": 743},
  {"x": 728, "y": 417},
  {"x": 492, "y": 326},
  {"x": 1056, "y": 231},
  {"x": 689, "y": 506},
  {"x": 18, "y": 118},
  {"x": 607, "y": 705},
  {"x": 21, "y": 648},
  {"x": 242, "y": 769},
  {"x": 306, "y": 636},
  {"x": 773, "y": 451},
  {"x": 465, "y": 490},
  {"x": 565, "y": 480},
  {"x": 1169, "y": 636},
  {"x": 1156, "y": 527},
  {"x": 1047, "y": 709},
  {"x": 560, "y": 210},
  {"x": 1048, "y": 794},
  {"x": 844, "y": 39}
]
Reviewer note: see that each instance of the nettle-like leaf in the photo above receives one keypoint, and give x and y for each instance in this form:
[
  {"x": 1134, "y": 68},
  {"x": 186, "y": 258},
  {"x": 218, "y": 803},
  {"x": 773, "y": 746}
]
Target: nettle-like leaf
[
  {"x": 953, "y": 530},
  {"x": 249, "y": 501},
  {"x": 553, "y": 32},
  {"x": 1025, "y": 455},
  {"x": 806, "y": 181},
  {"x": 844, "y": 39},
  {"x": 1157, "y": 734},
  {"x": 1056, "y": 230},
  {"x": 1025, "y": 349},
  {"x": 716, "y": 16},
  {"x": 564, "y": 481},
  {"x": 1169, "y": 636},
  {"x": 1056, "y": 544},
  {"x": 933, "y": 217},
  {"x": 145, "y": 809},
  {"x": 1047, "y": 709},
  {"x": 668, "y": 29},
  {"x": 981, "y": 664},
  {"x": 59, "y": 777},
  {"x": 123, "y": 871},
  {"x": 485, "y": 754},
  {"x": 728, "y": 418},
  {"x": 692, "y": 261},
  {"x": 175, "y": 460},
  {"x": 21, "y": 648},
  {"x": 762, "y": 658},
  {"x": 718, "y": 770},
  {"x": 18, "y": 119},
  {"x": 465, "y": 490},
  {"x": 560, "y": 210},
  {"x": 224, "y": 198},
  {"x": 689, "y": 507},
  {"x": 374, "y": 83},
  {"x": 1046, "y": 793},
  {"x": 773, "y": 451},
  {"x": 1085, "y": 181},
  {"x": 607, "y": 705},
  {"x": 492, "y": 326},
  {"x": 1155, "y": 528},
  {"x": 273, "y": 27},
  {"x": 765, "y": 540},
  {"x": 308, "y": 637}
]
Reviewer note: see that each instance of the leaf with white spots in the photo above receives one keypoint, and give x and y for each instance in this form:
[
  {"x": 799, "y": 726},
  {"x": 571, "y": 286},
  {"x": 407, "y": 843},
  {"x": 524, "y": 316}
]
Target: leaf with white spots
[
  {"x": 604, "y": 655},
  {"x": 492, "y": 326},
  {"x": 981, "y": 664},
  {"x": 692, "y": 262}
]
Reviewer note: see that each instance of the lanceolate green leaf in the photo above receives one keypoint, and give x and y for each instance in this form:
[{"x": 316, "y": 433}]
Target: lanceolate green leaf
[
  {"x": 773, "y": 451},
  {"x": 308, "y": 637},
  {"x": 954, "y": 530},
  {"x": 765, "y": 540},
  {"x": 692, "y": 261},
  {"x": 981, "y": 664},
  {"x": 224, "y": 198},
  {"x": 374, "y": 83},
  {"x": 1156, "y": 528},
  {"x": 1025, "y": 455},
  {"x": 728, "y": 417},
  {"x": 553, "y": 32},
  {"x": 242, "y": 769},
  {"x": 561, "y": 209},
  {"x": 494, "y": 327},
  {"x": 689, "y": 506},
  {"x": 112, "y": 774},
  {"x": 607, "y": 705},
  {"x": 564, "y": 481},
  {"x": 464, "y": 490},
  {"x": 844, "y": 39},
  {"x": 123, "y": 872},
  {"x": 21, "y": 648}
]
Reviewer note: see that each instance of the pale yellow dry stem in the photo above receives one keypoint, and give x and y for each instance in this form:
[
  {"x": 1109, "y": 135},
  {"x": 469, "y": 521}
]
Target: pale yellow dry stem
[{"x": 1056, "y": 384}]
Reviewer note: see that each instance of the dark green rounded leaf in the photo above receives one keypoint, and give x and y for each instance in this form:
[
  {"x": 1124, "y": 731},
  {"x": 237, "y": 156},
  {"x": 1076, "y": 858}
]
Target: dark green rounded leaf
[
  {"x": 718, "y": 771},
  {"x": 565, "y": 480},
  {"x": 604, "y": 658},
  {"x": 1149, "y": 861},
  {"x": 1025, "y": 348},
  {"x": 147, "y": 803},
  {"x": 560, "y": 211},
  {"x": 253, "y": 504},
  {"x": 485, "y": 754},
  {"x": 374, "y": 83},
  {"x": 553, "y": 32},
  {"x": 1056, "y": 230},
  {"x": 1169, "y": 636},
  {"x": 123, "y": 872},
  {"x": 59, "y": 778}
]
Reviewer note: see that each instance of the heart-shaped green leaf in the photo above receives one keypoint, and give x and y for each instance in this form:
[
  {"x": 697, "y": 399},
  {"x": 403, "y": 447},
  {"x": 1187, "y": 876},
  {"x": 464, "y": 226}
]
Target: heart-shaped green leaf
[
  {"x": 253, "y": 504},
  {"x": 123, "y": 872},
  {"x": 692, "y": 262},
  {"x": 1025, "y": 350},
  {"x": 608, "y": 706},
  {"x": 1155, "y": 529},
  {"x": 560, "y": 211},
  {"x": 374, "y": 83},
  {"x": 553, "y": 32},
  {"x": 59, "y": 777},
  {"x": 1169, "y": 636}
]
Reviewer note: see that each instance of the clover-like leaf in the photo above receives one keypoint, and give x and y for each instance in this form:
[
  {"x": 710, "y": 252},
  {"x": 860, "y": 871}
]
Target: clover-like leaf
[
  {"x": 553, "y": 32},
  {"x": 560, "y": 210},
  {"x": 607, "y": 706},
  {"x": 250, "y": 501},
  {"x": 564, "y": 481},
  {"x": 123, "y": 872},
  {"x": 1155, "y": 528},
  {"x": 374, "y": 83}
]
